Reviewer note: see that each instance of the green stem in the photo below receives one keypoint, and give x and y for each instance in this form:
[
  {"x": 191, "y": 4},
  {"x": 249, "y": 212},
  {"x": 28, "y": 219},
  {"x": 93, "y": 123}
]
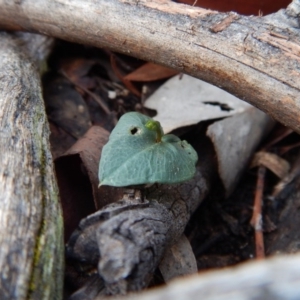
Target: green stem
[{"x": 155, "y": 125}]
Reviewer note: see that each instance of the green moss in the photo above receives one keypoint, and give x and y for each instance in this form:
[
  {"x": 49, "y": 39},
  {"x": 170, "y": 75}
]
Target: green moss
[{"x": 47, "y": 264}]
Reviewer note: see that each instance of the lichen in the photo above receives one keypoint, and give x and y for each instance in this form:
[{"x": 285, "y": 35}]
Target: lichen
[{"x": 47, "y": 264}]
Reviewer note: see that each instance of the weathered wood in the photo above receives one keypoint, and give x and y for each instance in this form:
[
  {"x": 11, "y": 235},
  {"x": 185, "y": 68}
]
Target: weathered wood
[
  {"x": 126, "y": 240},
  {"x": 276, "y": 278},
  {"x": 286, "y": 200},
  {"x": 31, "y": 256},
  {"x": 123, "y": 243},
  {"x": 254, "y": 58}
]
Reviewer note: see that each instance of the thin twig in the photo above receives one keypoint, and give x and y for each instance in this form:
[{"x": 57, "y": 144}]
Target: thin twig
[
  {"x": 280, "y": 135},
  {"x": 256, "y": 220},
  {"x": 128, "y": 84},
  {"x": 285, "y": 149},
  {"x": 93, "y": 95}
]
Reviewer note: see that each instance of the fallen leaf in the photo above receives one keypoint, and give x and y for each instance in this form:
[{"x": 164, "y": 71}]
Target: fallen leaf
[
  {"x": 60, "y": 140},
  {"x": 77, "y": 70},
  {"x": 279, "y": 166},
  {"x": 187, "y": 100},
  {"x": 66, "y": 108},
  {"x": 121, "y": 77},
  {"x": 235, "y": 139},
  {"x": 150, "y": 72},
  {"x": 77, "y": 177},
  {"x": 289, "y": 181}
]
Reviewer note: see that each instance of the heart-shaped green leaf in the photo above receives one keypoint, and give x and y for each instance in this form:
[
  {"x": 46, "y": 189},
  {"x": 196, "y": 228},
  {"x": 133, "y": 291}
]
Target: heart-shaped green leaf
[{"x": 138, "y": 153}]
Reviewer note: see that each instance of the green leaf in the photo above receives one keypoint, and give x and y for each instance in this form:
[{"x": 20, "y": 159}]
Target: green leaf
[{"x": 138, "y": 153}]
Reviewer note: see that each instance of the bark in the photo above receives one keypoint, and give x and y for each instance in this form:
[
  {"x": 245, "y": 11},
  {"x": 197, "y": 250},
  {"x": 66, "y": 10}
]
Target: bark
[
  {"x": 276, "y": 278},
  {"x": 126, "y": 240},
  {"x": 254, "y": 58},
  {"x": 286, "y": 200},
  {"x": 31, "y": 256}
]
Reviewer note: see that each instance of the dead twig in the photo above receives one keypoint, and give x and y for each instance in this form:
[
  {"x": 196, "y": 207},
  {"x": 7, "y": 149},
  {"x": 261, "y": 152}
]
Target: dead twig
[
  {"x": 93, "y": 95},
  {"x": 256, "y": 220}
]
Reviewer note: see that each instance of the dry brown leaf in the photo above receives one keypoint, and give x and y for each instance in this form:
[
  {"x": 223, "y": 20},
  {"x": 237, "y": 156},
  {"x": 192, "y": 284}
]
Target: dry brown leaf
[
  {"x": 279, "y": 166},
  {"x": 150, "y": 72},
  {"x": 77, "y": 70},
  {"x": 121, "y": 77},
  {"x": 60, "y": 140},
  {"x": 77, "y": 176}
]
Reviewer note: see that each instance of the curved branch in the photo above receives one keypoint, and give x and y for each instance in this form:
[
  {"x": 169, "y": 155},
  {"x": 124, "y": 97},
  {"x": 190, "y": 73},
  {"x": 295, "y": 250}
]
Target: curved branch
[{"x": 254, "y": 58}]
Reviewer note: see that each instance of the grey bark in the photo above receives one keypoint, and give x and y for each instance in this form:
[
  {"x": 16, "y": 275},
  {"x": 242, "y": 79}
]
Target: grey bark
[
  {"x": 254, "y": 58},
  {"x": 127, "y": 239},
  {"x": 273, "y": 279},
  {"x": 31, "y": 256},
  {"x": 286, "y": 199}
]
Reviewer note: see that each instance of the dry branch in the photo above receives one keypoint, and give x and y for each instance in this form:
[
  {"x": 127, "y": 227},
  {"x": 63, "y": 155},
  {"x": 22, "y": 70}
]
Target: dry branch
[
  {"x": 126, "y": 240},
  {"x": 254, "y": 58},
  {"x": 31, "y": 256},
  {"x": 276, "y": 278}
]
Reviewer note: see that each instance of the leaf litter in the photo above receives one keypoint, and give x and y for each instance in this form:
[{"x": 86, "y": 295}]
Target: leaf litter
[
  {"x": 184, "y": 100},
  {"x": 219, "y": 232}
]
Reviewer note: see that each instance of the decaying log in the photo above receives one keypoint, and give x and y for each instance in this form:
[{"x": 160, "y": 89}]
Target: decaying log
[
  {"x": 31, "y": 256},
  {"x": 254, "y": 58},
  {"x": 126, "y": 240},
  {"x": 276, "y": 278}
]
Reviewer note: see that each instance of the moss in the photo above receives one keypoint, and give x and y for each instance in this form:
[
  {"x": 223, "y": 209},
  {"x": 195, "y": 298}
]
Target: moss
[{"x": 47, "y": 265}]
